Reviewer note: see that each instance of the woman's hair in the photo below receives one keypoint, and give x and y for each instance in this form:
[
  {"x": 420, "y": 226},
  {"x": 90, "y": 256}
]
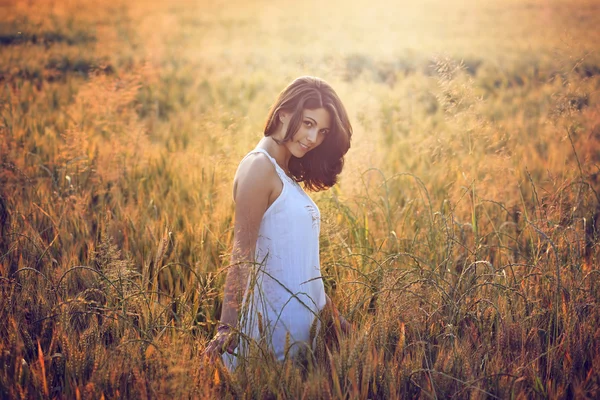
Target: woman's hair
[{"x": 319, "y": 168}]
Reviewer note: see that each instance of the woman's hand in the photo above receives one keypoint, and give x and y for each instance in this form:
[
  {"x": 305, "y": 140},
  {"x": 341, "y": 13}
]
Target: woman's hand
[
  {"x": 344, "y": 325},
  {"x": 226, "y": 340}
]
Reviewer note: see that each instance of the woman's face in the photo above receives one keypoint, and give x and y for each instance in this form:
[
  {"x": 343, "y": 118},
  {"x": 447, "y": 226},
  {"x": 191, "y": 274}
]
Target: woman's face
[{"x": 313, "y": 129}]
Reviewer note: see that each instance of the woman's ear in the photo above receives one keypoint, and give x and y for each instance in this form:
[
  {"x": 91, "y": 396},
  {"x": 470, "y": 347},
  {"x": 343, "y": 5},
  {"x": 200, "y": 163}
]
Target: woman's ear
[{"x": 283, "y": 116}]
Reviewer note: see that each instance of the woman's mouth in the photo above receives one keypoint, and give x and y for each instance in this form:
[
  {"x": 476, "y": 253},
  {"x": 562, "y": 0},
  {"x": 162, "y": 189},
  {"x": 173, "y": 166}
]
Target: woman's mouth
[{"x": 305, "y": 147}]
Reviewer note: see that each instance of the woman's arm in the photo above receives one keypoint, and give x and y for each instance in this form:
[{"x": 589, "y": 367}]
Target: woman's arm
[{"x": 254, "y": 184}]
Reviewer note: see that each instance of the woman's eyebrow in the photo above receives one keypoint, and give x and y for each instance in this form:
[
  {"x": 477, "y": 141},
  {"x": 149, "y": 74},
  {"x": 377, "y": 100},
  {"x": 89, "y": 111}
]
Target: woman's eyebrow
[{"x": 314, "y": 121}]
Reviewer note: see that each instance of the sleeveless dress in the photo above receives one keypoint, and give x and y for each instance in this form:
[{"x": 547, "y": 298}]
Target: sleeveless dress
[{"x": 284, "y": 293}]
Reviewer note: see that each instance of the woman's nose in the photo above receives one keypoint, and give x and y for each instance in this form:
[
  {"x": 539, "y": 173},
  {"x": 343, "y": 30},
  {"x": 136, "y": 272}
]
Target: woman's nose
[{"x": 312, "y": 135}]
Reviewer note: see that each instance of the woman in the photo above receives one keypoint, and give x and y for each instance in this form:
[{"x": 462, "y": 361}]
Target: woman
[{"x": 274, "y": 296}]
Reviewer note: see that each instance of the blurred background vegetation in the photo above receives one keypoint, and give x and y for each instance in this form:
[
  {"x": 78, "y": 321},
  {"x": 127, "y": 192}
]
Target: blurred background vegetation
[{"x": 461, "y": 241}]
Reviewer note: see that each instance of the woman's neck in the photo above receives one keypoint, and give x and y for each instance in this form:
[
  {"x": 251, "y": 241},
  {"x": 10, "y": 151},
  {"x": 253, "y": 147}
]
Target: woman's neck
[{"x": 278, "y": 151}]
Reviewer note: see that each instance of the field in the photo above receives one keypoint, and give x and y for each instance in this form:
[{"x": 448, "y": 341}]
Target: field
[{"x": 462, "y": 241}]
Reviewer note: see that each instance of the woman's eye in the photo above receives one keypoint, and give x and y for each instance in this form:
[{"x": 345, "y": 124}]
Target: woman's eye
[
  {"x": 324, "y": 132},
  {"x": 308, "y": 123}
]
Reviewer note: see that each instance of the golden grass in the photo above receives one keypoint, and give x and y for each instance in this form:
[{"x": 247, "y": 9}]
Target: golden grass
[{"x": 462, "y": 240}]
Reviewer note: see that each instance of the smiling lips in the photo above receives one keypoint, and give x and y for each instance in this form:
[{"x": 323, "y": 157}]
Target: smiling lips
[{"x": 305, "y": 147}]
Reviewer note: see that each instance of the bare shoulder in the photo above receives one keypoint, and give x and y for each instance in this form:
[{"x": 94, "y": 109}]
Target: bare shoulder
[{"x": 255, "y": 175}]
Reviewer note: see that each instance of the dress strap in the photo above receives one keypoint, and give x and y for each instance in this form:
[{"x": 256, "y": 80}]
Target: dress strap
[{"x": 278, "y": 169}]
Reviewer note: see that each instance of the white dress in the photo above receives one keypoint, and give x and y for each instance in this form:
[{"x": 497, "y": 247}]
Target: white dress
[{"x": 285, "y": 290}]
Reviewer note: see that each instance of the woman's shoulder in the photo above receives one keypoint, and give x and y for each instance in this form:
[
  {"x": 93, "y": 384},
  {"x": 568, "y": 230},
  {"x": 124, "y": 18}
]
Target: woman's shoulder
[
  {"x": 256, "y": 173},
  {"x": 255, "y": 163}
]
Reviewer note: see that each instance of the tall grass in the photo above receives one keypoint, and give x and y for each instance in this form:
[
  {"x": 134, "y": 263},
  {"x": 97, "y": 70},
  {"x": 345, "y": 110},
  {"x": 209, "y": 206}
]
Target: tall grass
[{"x": 461, "y": 242}]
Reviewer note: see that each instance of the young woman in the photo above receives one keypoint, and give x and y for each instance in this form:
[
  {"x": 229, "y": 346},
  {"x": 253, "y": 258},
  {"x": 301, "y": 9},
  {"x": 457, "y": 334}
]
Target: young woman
[{"x": 274, "y": 296}]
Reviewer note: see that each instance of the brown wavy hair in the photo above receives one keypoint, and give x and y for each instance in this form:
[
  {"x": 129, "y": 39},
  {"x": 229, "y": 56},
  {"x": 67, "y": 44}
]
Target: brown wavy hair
[{"x": 320, "y": 167}]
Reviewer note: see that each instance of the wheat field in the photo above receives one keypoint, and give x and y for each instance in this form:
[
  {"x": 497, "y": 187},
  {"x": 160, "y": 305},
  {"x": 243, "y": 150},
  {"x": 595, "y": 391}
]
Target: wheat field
[{"x": 462, "y": 241}]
